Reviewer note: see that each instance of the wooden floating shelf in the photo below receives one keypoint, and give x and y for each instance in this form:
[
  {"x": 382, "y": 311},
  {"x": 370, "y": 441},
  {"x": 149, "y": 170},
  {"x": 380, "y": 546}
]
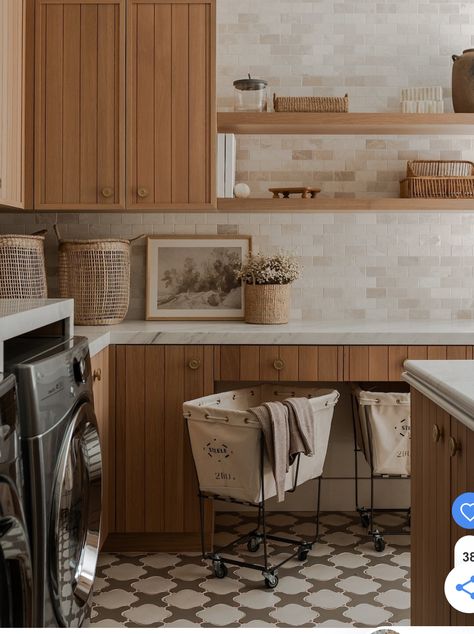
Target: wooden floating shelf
[
  {"x": 315, "y": 205},
  {"x": 348, "y": 123}
]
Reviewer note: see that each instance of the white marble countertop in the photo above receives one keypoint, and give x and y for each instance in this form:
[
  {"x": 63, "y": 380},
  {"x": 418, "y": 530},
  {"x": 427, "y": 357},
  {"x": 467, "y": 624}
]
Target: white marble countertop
[
  {"x": 19, "y": 316},
  {"x": 295, "y": 333},
  {"x": 450, "y": 384}
]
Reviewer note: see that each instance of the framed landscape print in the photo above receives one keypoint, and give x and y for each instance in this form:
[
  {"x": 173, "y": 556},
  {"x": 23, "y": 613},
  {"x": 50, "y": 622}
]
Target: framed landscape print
[{"x": 194, "y": 277}]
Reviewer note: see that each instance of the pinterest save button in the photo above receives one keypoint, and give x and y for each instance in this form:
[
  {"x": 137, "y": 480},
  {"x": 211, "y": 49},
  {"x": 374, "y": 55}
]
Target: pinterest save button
[{"x": 463, "y": 510}]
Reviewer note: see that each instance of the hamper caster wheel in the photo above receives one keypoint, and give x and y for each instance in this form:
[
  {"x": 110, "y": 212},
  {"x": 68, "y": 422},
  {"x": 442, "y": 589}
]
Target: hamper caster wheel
[
  {"x": 253, "y": 543},
  {"x": 365, "y": 520},
  {"x": 271, "y": 580},
  {"x": 303, "y": 553},
  {"x": 220, "y": 570},
  {"x": 379, "y": 543}
]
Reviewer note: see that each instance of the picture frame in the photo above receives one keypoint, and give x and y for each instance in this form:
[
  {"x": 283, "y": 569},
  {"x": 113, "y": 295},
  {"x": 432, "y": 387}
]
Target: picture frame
[{"x": 192, "y": 277}]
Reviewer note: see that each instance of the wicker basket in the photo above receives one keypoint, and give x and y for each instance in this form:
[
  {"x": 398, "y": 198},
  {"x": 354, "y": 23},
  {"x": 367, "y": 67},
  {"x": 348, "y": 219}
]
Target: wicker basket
[
  {"x": 311, "y": 104},
  {"x": 96, "y": 274},
  {"x": 22, "y": 269},
  {"x": 437, "y": 187},
  {"x": 440, "y": 168},
  {"x": 438, "y": 179},
  {"x": 267, "y": 303}
]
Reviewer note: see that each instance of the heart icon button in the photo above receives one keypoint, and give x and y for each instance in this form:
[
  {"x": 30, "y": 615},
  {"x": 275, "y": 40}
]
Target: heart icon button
[{"x": 467, "y": 511}]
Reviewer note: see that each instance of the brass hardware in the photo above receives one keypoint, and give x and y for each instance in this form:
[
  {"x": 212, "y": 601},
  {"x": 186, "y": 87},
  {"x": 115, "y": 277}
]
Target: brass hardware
[
  {"x": 107, "y": 192},
  {"x": 278, "y": 364},
  {"x": 454, "y": 446},
  {"x": 194, "y": 364},
  {"x": 436, "y": 433},
  {"x": 97, "y": 375},
  {"x": 142, "y": 192}
]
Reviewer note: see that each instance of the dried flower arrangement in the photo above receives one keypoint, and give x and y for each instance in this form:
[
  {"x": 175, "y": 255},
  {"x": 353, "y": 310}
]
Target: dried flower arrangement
[{"x": 280, "y": 268}]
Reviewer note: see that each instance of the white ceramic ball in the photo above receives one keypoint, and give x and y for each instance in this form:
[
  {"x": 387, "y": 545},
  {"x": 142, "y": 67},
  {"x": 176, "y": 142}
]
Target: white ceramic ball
[{"x": 241, "y": 190}]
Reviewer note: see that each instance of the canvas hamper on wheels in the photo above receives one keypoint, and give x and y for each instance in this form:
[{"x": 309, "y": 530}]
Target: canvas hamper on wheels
[
  {"x": 382, "y": 433},
  {"x": 231, "y": 462}
]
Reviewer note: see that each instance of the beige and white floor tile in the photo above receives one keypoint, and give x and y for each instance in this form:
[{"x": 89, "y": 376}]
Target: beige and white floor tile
[
  {"x": 367, "y": 614},
  {"x": 294, "y": 614},
  {"x": 343, "y": 583},
  {"x": 147, "y": 614},
  {"x": 220, "y": 615}
]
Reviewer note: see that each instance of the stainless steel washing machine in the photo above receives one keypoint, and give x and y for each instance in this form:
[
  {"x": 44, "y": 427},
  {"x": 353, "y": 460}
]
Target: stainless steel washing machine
[
  {"x": 16, "y": 579},
  {"x": 63, "y": 470}
]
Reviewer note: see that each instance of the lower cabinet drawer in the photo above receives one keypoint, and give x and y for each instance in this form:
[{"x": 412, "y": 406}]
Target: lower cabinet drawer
[{"x": 281, "y": 363}]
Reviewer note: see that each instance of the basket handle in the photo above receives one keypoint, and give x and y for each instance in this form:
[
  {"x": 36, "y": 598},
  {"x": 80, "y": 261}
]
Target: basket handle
[
  {"x": 56, "y": 231},
  {"x": 41, "y": 232},
  {"x": 142, "y": 235}
]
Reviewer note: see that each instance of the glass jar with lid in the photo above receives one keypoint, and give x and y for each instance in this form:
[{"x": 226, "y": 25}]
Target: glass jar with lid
[{"x": 250, "y": 95}]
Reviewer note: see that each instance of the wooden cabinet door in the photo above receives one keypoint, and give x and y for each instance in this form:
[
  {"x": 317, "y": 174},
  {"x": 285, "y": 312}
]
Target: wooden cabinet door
[
  {"x": 462, "y": 480},
  {"x": 431, "y": 514},
  {"x": 101, "y": 388},
  {"x": 80, "y": 100},
  {"x": 171, "y": 104},
  {"x": 156, "y": 487},
  {"x": 16, "y": 103}
]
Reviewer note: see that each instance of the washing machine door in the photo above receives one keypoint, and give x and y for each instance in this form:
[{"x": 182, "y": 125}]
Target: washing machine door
[
  {"x": 75, "y": 521},
  {"x": 16, "y": 585}
]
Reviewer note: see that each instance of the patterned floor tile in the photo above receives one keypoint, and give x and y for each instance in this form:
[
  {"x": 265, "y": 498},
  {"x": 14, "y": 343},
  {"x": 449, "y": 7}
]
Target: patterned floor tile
[
  {"x": 344, "y": 582},
  {"x": 294, "y": 614}
]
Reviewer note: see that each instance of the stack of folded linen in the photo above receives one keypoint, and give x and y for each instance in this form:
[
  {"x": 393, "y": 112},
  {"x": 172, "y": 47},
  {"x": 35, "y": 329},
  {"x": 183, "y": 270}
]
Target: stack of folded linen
[{"x": 422, "y": 99}]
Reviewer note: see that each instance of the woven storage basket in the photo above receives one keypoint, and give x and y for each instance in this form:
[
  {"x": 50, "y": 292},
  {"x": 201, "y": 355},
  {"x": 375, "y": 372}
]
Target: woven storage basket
[
  {"x": 96, "y": 274},
  {"x": 311, "y": 104},
  {"x": 440, "y": 168},
  {"x": 267, "y": 303},
  {"x": 22, "y": 269},
  {"x": 437, "y": 187}
]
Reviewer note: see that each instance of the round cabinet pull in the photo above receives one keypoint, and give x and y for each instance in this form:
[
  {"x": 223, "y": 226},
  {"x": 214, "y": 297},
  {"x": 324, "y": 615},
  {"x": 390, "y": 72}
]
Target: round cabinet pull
[
  {"x": 278, "y": 364},
  {"x": 194, "y": 364},
  {"x": 436, "y": 433},
  {"x": 107, "y": 192},
  {"x": 142, "y": 192},
  {"x": 454, "y": 446},
  {"x": 97, "y": 375}
]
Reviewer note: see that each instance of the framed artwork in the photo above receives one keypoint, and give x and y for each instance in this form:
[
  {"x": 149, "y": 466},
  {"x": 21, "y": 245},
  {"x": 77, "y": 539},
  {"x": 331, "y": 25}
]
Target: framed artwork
[{"x": 193, "y": 277}]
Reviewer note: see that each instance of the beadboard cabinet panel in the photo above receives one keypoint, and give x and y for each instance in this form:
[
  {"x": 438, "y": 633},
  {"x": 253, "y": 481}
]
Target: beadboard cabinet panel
[
  {"x": 16, "y": 103},
  {"x": 80, "y": 104},
  {"x": 156, "y": 486},
  {"x": 171, "y": 104},
  {"x": 442, "y": 468},
  {"x": 385, "y": 363},
  {"x": 101, "y": 375},
  {"x": 281, "y": 363}
]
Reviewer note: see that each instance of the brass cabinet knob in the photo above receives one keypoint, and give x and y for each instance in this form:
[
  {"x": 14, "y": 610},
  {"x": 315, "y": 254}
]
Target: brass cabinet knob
[
  {"x": 436, "y": 433},
  {"x": 454, "y": 446},
  {"x": 107, "y": 192},
  {"x": 97, "y": 375},
  {"x": 278, "y": 364},
  {"x": 194, "y": 364},
  {"x": 142, "y": 192}
]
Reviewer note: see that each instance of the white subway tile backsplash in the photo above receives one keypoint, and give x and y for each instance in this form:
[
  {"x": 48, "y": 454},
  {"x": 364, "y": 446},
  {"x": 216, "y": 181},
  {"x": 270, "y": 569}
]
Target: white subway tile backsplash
[{"x": 373, "y": 265}]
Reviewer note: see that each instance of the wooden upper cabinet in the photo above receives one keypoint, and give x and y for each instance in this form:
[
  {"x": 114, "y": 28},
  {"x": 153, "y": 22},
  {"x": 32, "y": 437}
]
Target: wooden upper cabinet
[
  {"x": 171, "y": 119},
  {"x": 16, "y": 103},
  {"x": 80, "y": 104}
]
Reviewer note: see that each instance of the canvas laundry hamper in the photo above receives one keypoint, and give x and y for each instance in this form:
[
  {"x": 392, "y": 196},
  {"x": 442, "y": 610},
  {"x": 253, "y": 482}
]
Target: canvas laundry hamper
[
  {"x": 384, "y": 430},
  {"x": 226, "y": 441}
]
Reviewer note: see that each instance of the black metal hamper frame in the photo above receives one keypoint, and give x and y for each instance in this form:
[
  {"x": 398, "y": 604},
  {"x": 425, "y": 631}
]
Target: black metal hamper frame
[
  {"x": 260, "y": 535},
  {"x": 367, "y": 514}
]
